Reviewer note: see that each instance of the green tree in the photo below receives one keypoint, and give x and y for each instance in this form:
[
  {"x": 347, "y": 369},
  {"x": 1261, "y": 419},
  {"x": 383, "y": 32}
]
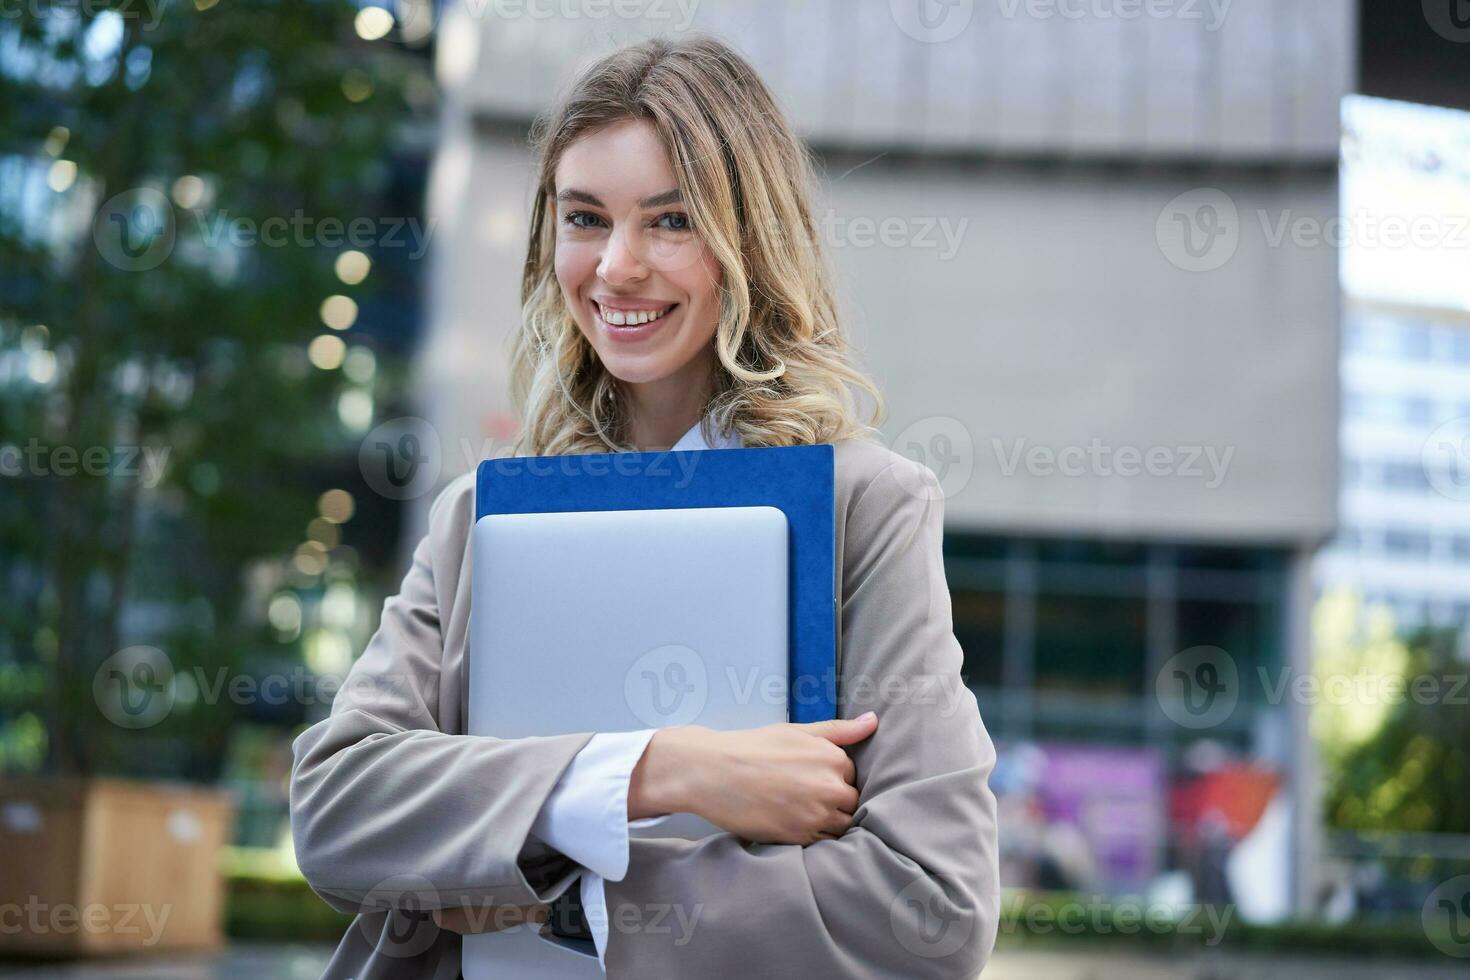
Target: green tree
[
  {"x": 1397, "y": 745},
  {"x": 178, "y": 180}
]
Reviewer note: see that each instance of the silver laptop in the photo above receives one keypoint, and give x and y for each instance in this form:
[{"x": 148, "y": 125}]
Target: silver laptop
[{"x": 611, "y": 621}]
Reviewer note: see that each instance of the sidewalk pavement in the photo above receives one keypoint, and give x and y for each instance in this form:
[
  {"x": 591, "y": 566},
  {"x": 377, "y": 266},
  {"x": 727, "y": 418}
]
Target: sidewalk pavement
[{"x": 265, "y": 961}]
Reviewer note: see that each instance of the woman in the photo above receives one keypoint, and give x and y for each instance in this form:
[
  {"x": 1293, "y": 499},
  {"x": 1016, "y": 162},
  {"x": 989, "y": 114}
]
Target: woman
[{"x": 674, "y": 294}]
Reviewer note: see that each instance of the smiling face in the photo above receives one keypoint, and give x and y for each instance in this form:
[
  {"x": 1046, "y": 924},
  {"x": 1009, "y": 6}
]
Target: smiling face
[{"x": 641, "y": 285}]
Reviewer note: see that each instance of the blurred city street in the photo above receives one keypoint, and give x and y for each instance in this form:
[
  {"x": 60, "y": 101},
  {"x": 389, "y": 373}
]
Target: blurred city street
[{"x": 1171, "y": 298}]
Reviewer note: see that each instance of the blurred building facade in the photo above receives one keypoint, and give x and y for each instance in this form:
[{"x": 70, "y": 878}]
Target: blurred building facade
[
  {"x": 1404, "y": 542},
  {"x": 1058, "y": 239}
]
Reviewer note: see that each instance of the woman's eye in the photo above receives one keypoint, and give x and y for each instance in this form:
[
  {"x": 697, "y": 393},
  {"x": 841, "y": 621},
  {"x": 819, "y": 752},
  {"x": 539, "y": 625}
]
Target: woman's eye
[
  {"x": 581, "y": 219},
  {"x": 673, "y": 221}
]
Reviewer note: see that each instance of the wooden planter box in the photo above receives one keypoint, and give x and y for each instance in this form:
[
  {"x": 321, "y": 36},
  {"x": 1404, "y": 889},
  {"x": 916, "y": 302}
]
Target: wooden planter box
[{"x": 106, "y": 866}]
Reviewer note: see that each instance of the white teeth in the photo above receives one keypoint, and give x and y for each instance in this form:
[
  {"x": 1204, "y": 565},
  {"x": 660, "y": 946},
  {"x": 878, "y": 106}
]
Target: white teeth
[{"x": 629, "y": 318}]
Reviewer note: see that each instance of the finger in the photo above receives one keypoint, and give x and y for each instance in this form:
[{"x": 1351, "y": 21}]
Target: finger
[
  {"x": 836, "y": 824},
  {"x": 844, "y": 731},
  {"x": 450, "y": 919},
  {"x": 847, "y": 801},
  {"x": 490, "y": 919},
  {"x": 526, "y": 913},
  {"x": 507, "y": 916}
]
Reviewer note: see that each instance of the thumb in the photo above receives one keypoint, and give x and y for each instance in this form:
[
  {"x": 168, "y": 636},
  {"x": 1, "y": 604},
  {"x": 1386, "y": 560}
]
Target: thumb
[{"x": 845, "y": 731}]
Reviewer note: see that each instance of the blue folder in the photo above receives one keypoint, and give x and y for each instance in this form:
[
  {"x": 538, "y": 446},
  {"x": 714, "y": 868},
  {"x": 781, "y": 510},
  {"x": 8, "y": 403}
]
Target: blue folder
[{"x": 798, "y": 480}]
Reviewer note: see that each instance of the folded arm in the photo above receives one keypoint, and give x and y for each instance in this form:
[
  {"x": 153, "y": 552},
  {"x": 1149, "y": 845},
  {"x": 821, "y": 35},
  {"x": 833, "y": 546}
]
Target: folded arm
[{"x": 911, "y": 889}]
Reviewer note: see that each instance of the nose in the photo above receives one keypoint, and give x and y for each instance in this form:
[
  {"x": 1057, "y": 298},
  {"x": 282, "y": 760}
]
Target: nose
[{"x": 621, "y": 261}]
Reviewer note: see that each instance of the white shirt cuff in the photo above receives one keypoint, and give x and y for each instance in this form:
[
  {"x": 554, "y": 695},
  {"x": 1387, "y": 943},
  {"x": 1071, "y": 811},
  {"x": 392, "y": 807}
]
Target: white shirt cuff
[
  {"x": 594, "y": 910},
  {"x": 585, "y": 816}
]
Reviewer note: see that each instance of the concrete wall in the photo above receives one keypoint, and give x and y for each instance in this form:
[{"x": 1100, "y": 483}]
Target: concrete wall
[
  {"x": 1061, "y": 331},
  {"x": 1215, "y": 79},
  {"x": 1090, "y": 314}
]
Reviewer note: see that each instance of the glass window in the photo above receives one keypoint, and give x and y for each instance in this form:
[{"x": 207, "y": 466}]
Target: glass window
[
  {"x": 1091, "y": 644},
  {"x": 1118, "y": 722},
  {"x": 1091, "y": 552},
  {"x": 979, "y": 625},
  {"x": 1405, "y": 476},
  {"x": 1087, "y": 607},
  {"x": 1228, "y": 559},
  {"x": 1377, "y": 335},
  {"x": 1460, "y": 344},
  {"x": 1241, "y": 629},
  {"x": 1419, "y": 411},
  {"x": 1414, "y": 339},
  {"x": 1398, "y": 541},
  {"x": 1382, "y": 408},
  {"x": 975, "y": 546}
]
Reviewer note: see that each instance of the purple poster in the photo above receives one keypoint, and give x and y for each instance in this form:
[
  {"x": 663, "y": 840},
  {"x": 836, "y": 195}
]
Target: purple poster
[{"x": 1111, "y": 803}]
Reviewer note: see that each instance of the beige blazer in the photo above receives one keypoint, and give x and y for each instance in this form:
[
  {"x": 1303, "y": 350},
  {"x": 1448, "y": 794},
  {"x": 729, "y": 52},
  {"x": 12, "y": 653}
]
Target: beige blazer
[{"x": 395, "y": 811}]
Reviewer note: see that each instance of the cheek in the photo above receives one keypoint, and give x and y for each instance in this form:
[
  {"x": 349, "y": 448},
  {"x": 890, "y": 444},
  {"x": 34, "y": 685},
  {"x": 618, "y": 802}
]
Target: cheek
[
  {"x": 699, "y": 277},
  {"x": 573, "y": 262}
]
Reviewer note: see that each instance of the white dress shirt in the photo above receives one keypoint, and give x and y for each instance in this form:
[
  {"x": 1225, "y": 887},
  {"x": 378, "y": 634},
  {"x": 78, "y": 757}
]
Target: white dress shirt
[{"x": 586, "y": 815}]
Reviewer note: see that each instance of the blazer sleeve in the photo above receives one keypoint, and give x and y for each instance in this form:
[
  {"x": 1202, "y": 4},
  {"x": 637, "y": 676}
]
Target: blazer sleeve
[
  {"x": 912, "y": 889},
  {"x": 387, "y": 810}
]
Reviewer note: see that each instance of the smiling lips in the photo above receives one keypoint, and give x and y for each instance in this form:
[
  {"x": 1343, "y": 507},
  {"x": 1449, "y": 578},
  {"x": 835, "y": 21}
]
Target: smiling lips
[{"x": 631, "y": 313}]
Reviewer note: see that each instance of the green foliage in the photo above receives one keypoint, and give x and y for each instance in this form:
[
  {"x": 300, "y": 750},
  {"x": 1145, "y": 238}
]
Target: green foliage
[
  {"x": 203, "y": 165},
  {"x": 264, "y": 904},
  {"x": 280, "y": 910},
  {"x": 1397, "y": 746},
  {"x": 1058, "y": 920}
]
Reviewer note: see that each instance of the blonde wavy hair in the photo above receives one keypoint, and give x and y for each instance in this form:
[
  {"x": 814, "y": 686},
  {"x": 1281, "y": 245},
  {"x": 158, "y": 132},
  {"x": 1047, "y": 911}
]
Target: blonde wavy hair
[{"x": 785, "y": 374}]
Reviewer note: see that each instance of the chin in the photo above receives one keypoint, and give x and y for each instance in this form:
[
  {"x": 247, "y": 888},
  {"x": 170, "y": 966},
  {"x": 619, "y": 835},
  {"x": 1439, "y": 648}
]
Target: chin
[{"x": 633, "y": 372}]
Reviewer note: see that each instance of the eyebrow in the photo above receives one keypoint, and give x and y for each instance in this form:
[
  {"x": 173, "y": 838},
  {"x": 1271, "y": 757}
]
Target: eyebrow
[{"x": 673, "y": 196}]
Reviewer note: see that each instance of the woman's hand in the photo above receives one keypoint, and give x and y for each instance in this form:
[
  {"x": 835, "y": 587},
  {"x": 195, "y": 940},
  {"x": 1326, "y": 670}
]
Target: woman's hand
[
  {"x": 467, "y": 921},
  {"x": 779, "y": 784}
]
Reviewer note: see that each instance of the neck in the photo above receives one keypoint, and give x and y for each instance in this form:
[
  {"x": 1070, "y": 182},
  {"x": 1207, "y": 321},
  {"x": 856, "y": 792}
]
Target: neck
[{"x": 663, "y": 410}]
